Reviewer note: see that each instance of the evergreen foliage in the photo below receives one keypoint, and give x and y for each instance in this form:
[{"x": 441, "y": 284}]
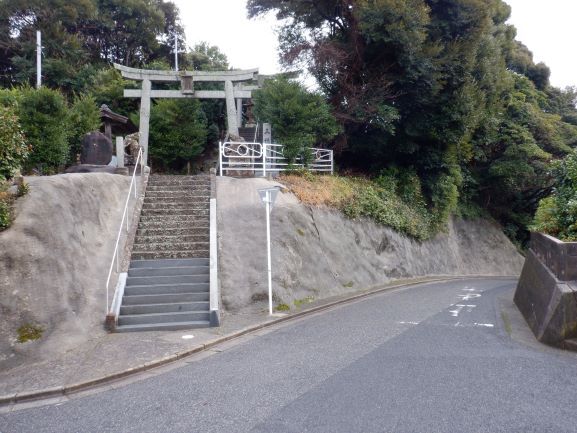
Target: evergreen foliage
[
  {"x": 557, "y": 214},
  {"x": 82, "y": 36},
  {"x": 43, "y": 115},
  {"x": 172, "y": 147},
  {"x": 299, "y": 119},
  {"x": 52, "y": 129},
  {"x": 437, "y": 87},
  {"x": 13, "y": 148},
  {"x": 82, "y": 117}
]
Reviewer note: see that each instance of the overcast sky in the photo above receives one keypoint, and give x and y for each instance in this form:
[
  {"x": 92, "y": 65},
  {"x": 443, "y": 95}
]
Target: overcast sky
[{"x": 546, "y": 27}]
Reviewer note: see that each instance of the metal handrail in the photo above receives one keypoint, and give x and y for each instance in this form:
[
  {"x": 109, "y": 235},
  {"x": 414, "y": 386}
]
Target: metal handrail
[{"x": 115, "y": 255}]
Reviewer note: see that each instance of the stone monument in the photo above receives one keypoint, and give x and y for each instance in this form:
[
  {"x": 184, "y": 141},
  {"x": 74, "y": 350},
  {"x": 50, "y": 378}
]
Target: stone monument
[{"x": 95, "y": 156}]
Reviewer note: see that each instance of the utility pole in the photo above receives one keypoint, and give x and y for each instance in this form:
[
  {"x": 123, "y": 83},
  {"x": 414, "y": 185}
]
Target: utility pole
[
  {"x": 175, "y": 52},
  {"x": 38, "y": 59}
]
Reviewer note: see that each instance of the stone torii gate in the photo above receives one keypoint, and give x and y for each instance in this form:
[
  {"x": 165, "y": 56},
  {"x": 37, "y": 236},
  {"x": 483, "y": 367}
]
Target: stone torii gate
[{"x": 234, "y": 89}]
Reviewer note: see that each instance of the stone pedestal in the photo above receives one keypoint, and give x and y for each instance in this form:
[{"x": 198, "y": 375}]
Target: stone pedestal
[{"x": 546, "y": 293}]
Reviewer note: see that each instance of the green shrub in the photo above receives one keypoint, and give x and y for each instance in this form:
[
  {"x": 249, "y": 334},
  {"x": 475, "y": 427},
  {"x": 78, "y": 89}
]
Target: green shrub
[
  {"x": 13, "y": 148},
  {"x": 557, "y": 214},
  {"x": 298, "y": 117},
  {"x": 282, "y": 307},
  {"x": 393, "y": 199},
  {"x": 5, "y": 215},
  {"x": 178, "y": 133},
  {"x": 83, "y": 117},
  {"x": 43, "y": 116},
  {"x": 23, "y": 189}
]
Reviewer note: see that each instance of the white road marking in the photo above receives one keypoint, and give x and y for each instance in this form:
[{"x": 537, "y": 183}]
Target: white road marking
[
  {"x": 486, "y": 325},
  {"x": 459, "y": 307},
  {"x": 469, "y": 296},
  {"x": 409, "y": 323},
  {"x": 187, "y": 337}
]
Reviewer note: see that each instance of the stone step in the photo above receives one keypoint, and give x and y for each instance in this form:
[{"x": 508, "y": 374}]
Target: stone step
[
  {"x": 163, "y": 289},
  {"x": 164, "y": 326},
  {"x": 169, "y": 219},
  {"x": 175, "y": 231},
  {"x": 164, "y": 308},
  {"x": 176, "y": 204},
  {"x": 170, "y": 223},
  {"x": 153, "y": 255},
  {"x": 168, "y": 271},
  {"x": 171, "y": 246},
  {"x": 166, "y": 279},
  {"x": 178, "y": 188},
  {"x": 170, "y": 195},
  {"x": 178, "y": 239},
  {"x": 201, "y": 211},
  {"x": 169, "y": 263},
  {"x": 183, "y": 316},
  {"x": 166, "y": 298},
  {"x": 178, "y": 179}
]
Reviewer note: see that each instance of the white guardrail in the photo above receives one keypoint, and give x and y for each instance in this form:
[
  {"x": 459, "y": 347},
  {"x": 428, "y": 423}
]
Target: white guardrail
[
  {"x": 123, "y": 223},
  {"x": 263, "y": 158}
]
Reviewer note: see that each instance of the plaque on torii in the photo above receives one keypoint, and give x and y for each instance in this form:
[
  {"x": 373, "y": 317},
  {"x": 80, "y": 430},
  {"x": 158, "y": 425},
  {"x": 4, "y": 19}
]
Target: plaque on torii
[{"x": 234, "y": 91}]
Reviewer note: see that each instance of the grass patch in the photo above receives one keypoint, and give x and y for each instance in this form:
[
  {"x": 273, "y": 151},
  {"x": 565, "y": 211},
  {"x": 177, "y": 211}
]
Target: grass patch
[
  {"x": 5, "y": 213},
  {"x": 23, "y": 189},
  {"x": 507, "y": 323},
  {"x": 6, "y": 203},
  {"x": 303, "y": 301},
  {"x": 282, "y": 307},
  {"x": 29, "y": 332},
  {"x": 300, "y": 231},
  {"x": 397, "y": 203},
  {"x": 349, "y": 284}
]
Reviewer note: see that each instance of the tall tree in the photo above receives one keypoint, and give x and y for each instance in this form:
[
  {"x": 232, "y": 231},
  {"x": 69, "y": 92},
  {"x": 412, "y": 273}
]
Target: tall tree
[
  {"x": 79, "y": 36},
  {"x": 436, "y": 86}
]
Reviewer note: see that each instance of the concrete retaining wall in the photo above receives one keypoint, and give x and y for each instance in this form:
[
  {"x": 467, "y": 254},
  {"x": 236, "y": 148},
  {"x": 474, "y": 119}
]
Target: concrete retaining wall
[
  {"x": 55, "y": 258},
  {"x": 547, "y": 290},
  {"x": 319, "y": 252}
]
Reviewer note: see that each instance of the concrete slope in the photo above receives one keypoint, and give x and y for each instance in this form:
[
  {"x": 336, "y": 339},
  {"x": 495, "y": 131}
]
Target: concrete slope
[
  {"x": 319, "y": 253},
  {"x": 54, "y": 261}
]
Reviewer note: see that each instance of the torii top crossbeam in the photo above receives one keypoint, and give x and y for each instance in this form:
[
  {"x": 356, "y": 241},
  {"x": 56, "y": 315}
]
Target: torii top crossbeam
[{"x": 233, "y": 89}]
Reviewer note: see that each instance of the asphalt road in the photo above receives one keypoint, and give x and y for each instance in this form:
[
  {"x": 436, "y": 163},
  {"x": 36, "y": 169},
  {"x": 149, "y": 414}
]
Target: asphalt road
[{"x": 430, "y": 358}]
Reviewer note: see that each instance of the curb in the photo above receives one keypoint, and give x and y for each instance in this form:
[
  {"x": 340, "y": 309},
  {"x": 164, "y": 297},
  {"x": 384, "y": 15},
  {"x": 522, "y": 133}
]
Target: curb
[{"x": 66, "y": 390}]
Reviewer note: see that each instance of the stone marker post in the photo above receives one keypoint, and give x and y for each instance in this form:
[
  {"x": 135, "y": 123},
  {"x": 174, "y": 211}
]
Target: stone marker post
[{"x": 120, "y": 151}]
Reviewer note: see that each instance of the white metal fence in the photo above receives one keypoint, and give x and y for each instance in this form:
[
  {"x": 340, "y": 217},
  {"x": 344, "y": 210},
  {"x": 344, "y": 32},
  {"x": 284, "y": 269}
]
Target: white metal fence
[{"x": 261, "y": 159}]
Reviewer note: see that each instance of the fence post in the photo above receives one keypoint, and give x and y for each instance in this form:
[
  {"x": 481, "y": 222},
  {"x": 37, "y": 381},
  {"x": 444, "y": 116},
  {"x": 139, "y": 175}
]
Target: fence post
[
  {"x": 220, "y": 144},
  {"x": 264, "y": 159}
]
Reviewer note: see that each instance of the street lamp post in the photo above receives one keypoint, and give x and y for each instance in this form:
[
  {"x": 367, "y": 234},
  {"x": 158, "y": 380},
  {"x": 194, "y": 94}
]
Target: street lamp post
[{"x": 268, "y": 197}]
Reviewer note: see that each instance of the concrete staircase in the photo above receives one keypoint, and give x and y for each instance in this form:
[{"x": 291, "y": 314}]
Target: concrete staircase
[
  {"x": 247, "y": 133},
  {"x": 168, "y": 285}
]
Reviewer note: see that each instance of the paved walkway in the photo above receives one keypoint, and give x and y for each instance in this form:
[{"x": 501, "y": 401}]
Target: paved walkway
[{"x": 113, "y": 356}]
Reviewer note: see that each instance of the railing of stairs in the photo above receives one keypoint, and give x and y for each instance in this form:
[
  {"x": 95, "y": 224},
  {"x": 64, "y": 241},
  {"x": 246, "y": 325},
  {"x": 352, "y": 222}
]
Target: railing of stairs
[
  {"x": 124, "y": 225},
  {"x": 214, "y": 281}
]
